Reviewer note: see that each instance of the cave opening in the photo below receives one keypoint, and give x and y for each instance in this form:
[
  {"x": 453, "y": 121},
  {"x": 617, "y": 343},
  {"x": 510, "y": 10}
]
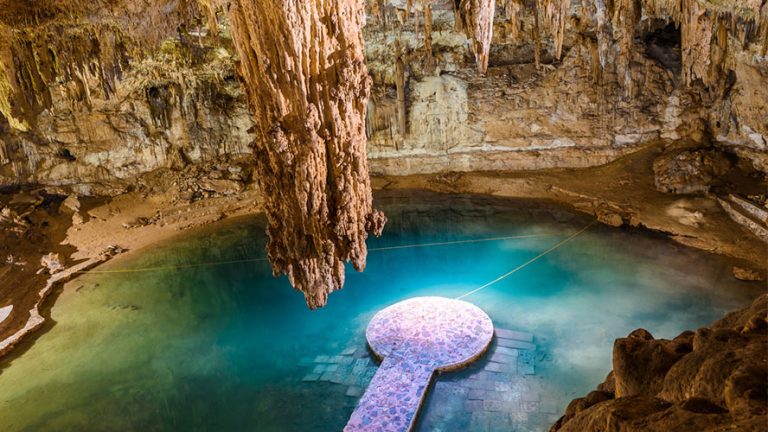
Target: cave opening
[{"x": 662, "y": 43}]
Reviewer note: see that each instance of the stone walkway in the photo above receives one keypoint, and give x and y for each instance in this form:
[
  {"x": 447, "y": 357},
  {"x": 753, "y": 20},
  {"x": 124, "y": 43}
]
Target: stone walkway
[
  {"x": 500, "y": 392},
  {"x": 416, "y": 338}
]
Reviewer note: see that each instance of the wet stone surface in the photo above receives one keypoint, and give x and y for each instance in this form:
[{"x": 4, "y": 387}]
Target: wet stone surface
[{"x": 416, "y": 338}]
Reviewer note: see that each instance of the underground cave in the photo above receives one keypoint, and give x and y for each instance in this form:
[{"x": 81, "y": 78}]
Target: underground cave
[{"x": 384, "y": 215}]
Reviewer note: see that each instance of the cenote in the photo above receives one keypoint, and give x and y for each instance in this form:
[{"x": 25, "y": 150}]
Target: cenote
[{"x": 227, "y": 347}]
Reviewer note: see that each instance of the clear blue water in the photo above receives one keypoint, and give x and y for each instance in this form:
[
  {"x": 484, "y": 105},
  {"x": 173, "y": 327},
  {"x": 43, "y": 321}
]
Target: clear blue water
[{"x": 225, "y": 347}]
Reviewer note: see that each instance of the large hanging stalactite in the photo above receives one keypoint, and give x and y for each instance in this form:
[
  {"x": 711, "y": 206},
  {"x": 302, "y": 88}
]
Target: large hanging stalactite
[
  {"x": 476, "y": 18},
  {"x": 302, "y": 64}
]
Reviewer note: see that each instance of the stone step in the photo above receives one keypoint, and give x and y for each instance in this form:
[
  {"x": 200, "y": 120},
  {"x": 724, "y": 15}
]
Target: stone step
[
  {"x": 512, "y": 352},
  {"x": 512, "y": 343},
  {"x": 512, "y": 334}
]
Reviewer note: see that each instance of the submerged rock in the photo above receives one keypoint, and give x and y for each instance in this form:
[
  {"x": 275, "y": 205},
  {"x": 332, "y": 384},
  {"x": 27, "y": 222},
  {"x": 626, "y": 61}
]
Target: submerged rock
[{"x": 747, "y": 274}]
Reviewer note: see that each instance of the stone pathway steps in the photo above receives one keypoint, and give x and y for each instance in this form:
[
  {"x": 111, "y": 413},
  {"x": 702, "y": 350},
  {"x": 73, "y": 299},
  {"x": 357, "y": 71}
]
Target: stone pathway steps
[{"x": 502, "y": 392}]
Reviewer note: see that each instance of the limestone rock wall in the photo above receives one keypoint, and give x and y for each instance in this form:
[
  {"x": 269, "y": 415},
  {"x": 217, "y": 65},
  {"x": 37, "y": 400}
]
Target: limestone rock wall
[
  {"x": 612, "y": 76},
  {"x": 612, "y": 79},
  {"x": 166, "y": 113},
  {"x": 95, "y": 95}
]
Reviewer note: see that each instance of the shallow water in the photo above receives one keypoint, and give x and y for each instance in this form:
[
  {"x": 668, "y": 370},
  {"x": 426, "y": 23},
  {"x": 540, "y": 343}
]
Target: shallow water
[{"x": 227, "y": 347}]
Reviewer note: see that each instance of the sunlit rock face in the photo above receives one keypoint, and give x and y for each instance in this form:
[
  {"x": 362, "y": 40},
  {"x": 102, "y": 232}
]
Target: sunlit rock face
[{"x": 303, "y": 69}]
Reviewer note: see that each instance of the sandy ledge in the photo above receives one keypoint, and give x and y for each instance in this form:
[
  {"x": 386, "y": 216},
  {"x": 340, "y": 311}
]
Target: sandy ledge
[{"x": 620, "y": 193}]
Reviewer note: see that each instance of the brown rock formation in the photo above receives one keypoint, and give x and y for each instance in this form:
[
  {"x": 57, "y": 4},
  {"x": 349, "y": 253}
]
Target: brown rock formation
[
  {"x": 713, "y": 379},
  {"x": 303, "y": 68},
  {"x": 556, "y": 15},
  {"x": 689, "y": 171},
  {"x": 49, "y": 42},
  {"x": 476, "y": 17}
]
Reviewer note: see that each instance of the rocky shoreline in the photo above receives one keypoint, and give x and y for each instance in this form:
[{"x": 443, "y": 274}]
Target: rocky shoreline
[
  {"x": 713, "y": 379},
  {"x": 68, "y": 243}
]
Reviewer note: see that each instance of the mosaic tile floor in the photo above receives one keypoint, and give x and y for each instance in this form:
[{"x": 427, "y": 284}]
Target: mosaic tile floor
[{"x": 416, "y": 338}]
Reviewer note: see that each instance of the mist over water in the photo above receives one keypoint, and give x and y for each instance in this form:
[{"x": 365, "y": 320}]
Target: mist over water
[{"x": 225, "y": 347}]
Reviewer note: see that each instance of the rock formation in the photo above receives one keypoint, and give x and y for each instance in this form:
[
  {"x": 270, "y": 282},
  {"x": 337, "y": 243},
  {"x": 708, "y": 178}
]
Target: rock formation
[
  {"x": 303, "y": 68},
  {"x": 104, "y": 97},
  {"x": 476, "y": 17},
  {"x": 712, "y": 379},
  {"x": 689, "y": 171}
]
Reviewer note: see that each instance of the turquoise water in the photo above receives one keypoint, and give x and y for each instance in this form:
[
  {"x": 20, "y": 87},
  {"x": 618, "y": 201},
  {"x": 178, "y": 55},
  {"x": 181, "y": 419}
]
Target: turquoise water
[{"x": 225, "y": 347}]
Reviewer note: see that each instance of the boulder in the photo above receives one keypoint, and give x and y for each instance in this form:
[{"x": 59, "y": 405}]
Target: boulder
[
  {"x": 747, "y": 274},
  {"x": 52, "y": 263},
  {"x": 71, "y": 203},
  {"x": 710, "y": 380},
  {"x": 640, "y": 362}
]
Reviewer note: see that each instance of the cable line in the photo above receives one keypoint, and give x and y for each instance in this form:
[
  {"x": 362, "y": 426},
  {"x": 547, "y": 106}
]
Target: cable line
[
  {"x": 527, "y": 263},
  {"x": 384, "y": 248}
]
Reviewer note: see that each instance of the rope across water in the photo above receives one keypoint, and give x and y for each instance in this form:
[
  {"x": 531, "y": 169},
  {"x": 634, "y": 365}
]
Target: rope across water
[
  {"x": 527, "y": 263},
  {"x": 385, "y": 248},
  {"x": 245, "y": 260}
]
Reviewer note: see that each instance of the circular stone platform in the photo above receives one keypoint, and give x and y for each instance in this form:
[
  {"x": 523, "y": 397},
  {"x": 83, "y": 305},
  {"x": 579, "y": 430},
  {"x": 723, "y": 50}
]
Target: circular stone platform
[
  {"x": 443, "y": 333},
  {"x": 416, "y": 338}
]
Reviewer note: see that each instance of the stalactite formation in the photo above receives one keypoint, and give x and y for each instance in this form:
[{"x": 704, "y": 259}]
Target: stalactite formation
[
  {"x": 302, "y": 64},
  {"x": 624, "y": 20},
  {"x": 556, "y": 16},
  {"x": 512, "y": 11},
  {"x": 428, "y": 29},
  {"x": 476, "y": 17},
  {"x": 77, "y": 47},
  {"x": 536, "y": 35},
  {"x": 34, "y": 60},
  {"x": 402, "y": 114}
]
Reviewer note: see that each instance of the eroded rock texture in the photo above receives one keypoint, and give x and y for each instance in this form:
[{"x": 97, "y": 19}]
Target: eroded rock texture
[
  {"x": 303, "y": 67},
  {"x": 477, "y": 19},
  {"x": 712, "y": 379},
  {"x": 78, "y": 44},
  {"x": 113, "y": 91},
  {"x": 568, "y": 84},
  {"x": 689, "y": 171}
]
